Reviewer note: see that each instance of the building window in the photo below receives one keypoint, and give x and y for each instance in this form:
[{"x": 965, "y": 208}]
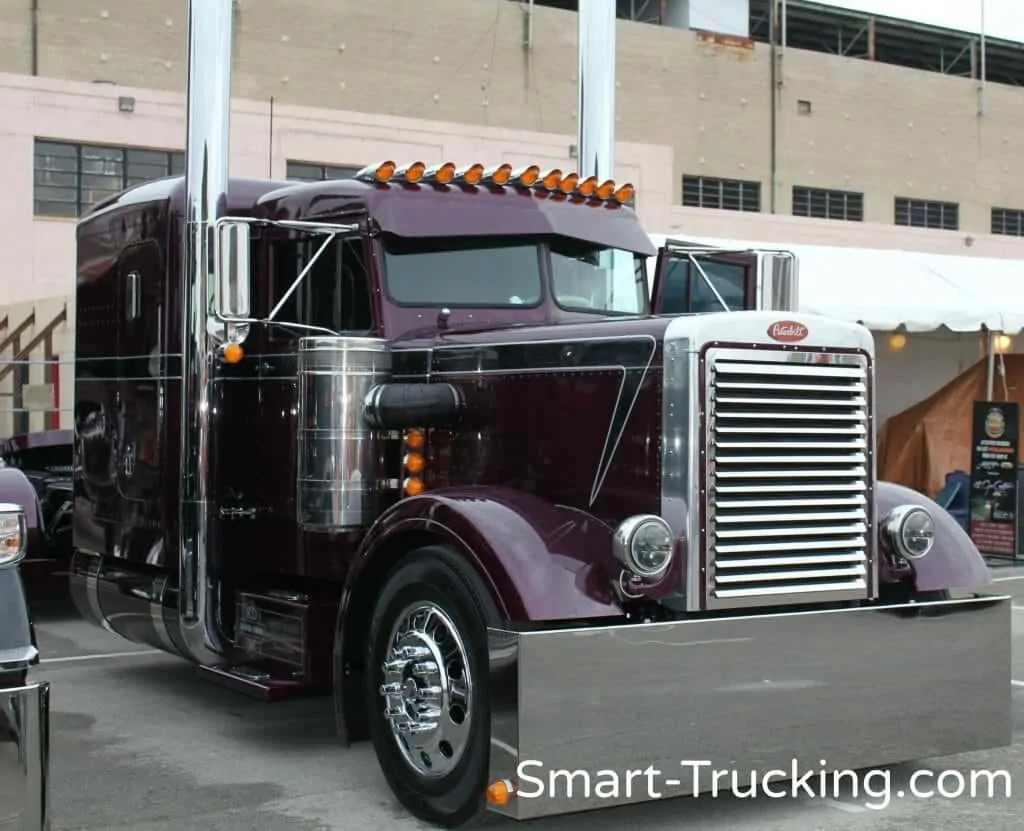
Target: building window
[
  {"x": 72, "y": 178},
  {"x": 820, "y": 203},
  {"x": 307, "y": 172},
  {"x": 1009, "y": 221},
  {"x": 921, "y": 213},
  {"x": 724, "y": 194}
]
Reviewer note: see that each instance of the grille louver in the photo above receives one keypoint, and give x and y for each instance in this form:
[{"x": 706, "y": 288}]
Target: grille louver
[{"x": 788, "y": 478}]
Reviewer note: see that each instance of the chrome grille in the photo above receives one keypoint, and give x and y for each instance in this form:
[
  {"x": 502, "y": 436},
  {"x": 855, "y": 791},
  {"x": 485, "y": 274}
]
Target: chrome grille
[{"x": 788, "y": 478}]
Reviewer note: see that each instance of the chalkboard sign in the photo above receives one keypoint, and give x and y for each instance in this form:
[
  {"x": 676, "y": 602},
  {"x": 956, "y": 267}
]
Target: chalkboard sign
[{"x": 995, "y": 453}]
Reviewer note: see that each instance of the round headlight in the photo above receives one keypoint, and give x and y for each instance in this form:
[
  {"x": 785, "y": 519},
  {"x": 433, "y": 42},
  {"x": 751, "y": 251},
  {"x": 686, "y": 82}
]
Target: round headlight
[
  {"x": 643, "y": 544},
  {"x": 911, "y": 531}
]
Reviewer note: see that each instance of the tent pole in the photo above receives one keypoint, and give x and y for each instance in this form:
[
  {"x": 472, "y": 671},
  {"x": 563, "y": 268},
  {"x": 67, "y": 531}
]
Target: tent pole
[{"x": 991, "y": 379}]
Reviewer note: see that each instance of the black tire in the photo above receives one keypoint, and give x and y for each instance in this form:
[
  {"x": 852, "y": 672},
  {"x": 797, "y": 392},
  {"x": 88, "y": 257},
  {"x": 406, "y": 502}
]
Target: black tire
[{"x": 435, "y": 575}]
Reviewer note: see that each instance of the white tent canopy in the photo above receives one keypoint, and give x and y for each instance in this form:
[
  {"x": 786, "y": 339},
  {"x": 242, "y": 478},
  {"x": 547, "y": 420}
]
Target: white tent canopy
[{"x": 885, "y": 289}]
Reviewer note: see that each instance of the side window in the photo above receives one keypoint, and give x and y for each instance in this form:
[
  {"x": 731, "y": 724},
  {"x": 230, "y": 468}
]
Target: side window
[
  {"x": 685, "y": 290},
  {"x": 334, "y": 294}
]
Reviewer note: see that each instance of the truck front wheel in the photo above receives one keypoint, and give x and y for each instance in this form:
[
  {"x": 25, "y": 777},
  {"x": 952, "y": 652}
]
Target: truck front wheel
[{"x": 428, "y": 685}]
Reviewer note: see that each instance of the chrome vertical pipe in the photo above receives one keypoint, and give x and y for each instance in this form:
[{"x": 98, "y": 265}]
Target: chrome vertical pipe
[
  {"x": 208, "y": 122},
  {"x": 595, "y": 144}
]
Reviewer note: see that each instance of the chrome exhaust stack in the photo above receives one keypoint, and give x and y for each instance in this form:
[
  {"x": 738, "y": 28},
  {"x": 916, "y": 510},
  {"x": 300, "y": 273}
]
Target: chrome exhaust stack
[
  {"x": 595, "y": 142},
  {"x": 210, "y": 24}
]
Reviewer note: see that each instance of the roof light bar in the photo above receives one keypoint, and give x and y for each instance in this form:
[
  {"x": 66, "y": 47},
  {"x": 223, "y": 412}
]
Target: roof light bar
[{"x": 529, "y": 177}]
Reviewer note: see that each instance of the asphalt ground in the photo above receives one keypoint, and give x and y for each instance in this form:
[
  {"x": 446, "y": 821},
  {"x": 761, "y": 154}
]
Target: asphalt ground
[{"x": 140, "y": 742}]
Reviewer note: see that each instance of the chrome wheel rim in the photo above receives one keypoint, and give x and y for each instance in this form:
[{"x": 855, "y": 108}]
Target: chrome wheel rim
[{"x": 427, "y": 690}]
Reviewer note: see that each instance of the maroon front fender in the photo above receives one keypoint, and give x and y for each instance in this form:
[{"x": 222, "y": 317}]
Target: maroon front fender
[
  {"x": 543, "y": 562},
  {"x": 954, "y": 561}
]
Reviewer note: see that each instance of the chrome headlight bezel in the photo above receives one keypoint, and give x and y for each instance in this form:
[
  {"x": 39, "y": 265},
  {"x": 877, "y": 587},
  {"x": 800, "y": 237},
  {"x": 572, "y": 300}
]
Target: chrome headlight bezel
[
  {"x": 13, "y": 535},
  {"x": 636, "y": 532},
  {"x": 899, "y": 522}
]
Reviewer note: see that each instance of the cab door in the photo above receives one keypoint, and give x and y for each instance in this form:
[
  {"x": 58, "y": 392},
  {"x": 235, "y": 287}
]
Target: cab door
[
  {"x": 692, "y": 279},
  {"x": 141, "y": 396}
]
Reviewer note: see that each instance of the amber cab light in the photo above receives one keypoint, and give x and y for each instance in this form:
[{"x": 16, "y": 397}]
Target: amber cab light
[
  {"x": 551, "y": 179},
  {"x": 471, "y": 174},
  {"x": 569, "y": 183},
  {"x": 233, "y": 353},
  {"x": 498, "y": 175},
  {"x": 527, "y": 177},
  {"x": 414, "y": 486},
  {"x": 606, "y": 190},
  {"x": 415, "y": 439},
  {"x": 379, "y": 172},
  {"x": 411, "y": 172},
  {"x": 624, "y": 193},
  {"x": 588, "y": 187},
  {"x": 442, "y": 174}
]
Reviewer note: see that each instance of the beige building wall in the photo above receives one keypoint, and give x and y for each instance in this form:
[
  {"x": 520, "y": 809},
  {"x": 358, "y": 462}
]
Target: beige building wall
[{"x": 884, "y": 130}]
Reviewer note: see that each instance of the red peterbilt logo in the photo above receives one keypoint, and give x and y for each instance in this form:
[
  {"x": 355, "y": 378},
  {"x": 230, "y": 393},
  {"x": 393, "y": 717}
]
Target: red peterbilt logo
[{"x": 787, "y": 331}]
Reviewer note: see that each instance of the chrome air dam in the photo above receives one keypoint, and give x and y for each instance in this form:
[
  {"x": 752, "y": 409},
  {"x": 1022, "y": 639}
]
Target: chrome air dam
[
  {"x": 858, "y": 688},
  {"x": 24, "y": 757}
]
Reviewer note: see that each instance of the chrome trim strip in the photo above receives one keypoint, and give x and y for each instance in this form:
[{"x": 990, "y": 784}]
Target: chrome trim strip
[
  {"x": 681, "y": 414},
  {"x": 25, "y": 767},
  {"x": 156, "y": 613},
  {"x": 92, "y": 593},
  {"x": 813, "y": 682},
  {"x": 210, "y": 25}
]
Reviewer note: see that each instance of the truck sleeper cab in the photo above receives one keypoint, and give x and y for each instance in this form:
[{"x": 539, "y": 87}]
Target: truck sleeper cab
[{"x": 427, "y": 448}]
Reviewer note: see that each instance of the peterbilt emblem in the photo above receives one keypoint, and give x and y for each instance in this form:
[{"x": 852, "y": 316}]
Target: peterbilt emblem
[{"x": 787, "y": 331}]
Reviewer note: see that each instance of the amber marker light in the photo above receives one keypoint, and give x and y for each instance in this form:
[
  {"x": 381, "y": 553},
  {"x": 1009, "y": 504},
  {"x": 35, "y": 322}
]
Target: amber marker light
[
  {"x": 500, "y": 792},
  {"x": 411, "y": 173},
  {"x": 414, "y": 486},
  {"x": 551, "y": 180},
  {"x": 624, "y": 193},
  {"x": 569, "y": 183},
  {"x": 606, "y": 190},
  {"x": 470, "y": 175},
  {"x": 379, "y": 172},
  {"x": 415, "y": 439},
  {"x": 233, "y": 353},
  {"x": 498, "y": 175},
  {"x": 527, "y": 176},
  {"x": 442, "y": 174},
  {"x": 415, "y": 463},
  {"x": 588, "y": 187}
]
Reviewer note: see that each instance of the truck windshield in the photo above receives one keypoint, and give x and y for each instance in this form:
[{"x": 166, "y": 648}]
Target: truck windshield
[
  {"x": 506, "y": 272},
  {"x": 589, "y": 278}
]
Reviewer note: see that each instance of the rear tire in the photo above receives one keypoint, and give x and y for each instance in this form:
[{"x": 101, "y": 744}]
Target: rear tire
[{"x": 429, "y": 707}]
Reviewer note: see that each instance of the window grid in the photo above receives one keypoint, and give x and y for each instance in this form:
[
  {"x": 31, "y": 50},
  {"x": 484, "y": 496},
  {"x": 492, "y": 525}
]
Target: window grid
[
  {"x": 923, "y": 213},
  {"x": 722, "y": 194},
  {"x": 820, "y": 203},
  {"x": 1008, "y": 221},
  {"x": 310, "y": 172},
  {"x": 70, "y": 178}
]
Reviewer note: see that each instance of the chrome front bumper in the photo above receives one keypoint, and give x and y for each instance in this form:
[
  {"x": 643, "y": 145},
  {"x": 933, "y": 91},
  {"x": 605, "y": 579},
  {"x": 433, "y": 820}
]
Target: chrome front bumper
[
  {"x": 24, "y": 757},
  {"x": 857, "y": 688}
]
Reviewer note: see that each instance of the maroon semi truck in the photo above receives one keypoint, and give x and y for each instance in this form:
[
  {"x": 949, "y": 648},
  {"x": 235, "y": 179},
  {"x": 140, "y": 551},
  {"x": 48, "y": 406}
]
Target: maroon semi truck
[{"x": 422, "y": 441}]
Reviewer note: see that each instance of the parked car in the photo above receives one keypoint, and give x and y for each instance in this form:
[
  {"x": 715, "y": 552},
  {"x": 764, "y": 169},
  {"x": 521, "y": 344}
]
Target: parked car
[
  {"x": 24, "y": 703},
  {"x": 37, "y": 468}
]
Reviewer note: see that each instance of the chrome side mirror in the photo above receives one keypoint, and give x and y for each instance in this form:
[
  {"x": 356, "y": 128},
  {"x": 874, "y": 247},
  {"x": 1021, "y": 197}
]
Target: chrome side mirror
[
  {"x": 232, "y": 272},
  {"x": 777, "y": 282}
]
